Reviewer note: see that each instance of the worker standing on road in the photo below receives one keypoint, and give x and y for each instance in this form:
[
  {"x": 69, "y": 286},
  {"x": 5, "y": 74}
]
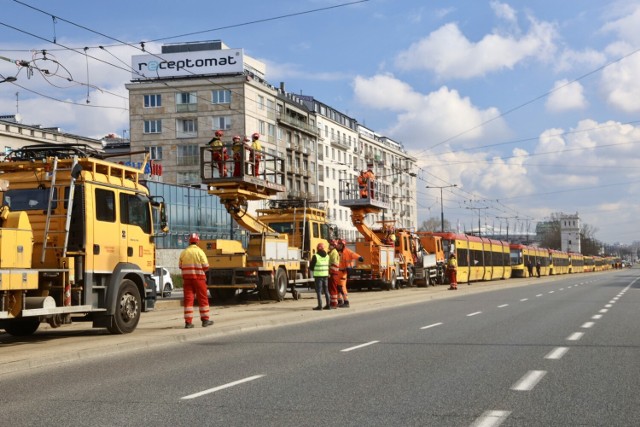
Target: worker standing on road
[
  {"x": 452, "y": 270},
  {"x": 334, "y": 272},
  {"x": 194, "y": 265},
  {"x": 256, "y": 153},
  {"x": 219, "y": 153},
  {"x": 347, "y": 256},
  {"x": 530, "y": 267},
  {"x": 538, "y": 266},
  {"x": 320, "y": 266}
]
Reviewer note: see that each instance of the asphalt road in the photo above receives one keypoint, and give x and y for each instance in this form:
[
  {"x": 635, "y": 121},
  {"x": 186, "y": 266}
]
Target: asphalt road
[{"x": 562, "y": 352}]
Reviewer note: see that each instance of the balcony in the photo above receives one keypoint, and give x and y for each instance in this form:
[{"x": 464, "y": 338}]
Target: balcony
[
  {"x": 339, "y": 143},
  {"x": 298, "y": 124}
]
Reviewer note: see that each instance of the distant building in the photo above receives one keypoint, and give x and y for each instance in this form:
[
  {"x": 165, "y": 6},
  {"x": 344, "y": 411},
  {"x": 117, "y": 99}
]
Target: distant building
[{"x": 570, "y": 233}]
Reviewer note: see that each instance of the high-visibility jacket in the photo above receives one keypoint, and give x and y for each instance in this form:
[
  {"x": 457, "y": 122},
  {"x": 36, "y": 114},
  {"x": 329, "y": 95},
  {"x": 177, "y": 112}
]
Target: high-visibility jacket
[
  {"x": 321, "y": 267},
  {"x": 193, "y": 263},
  {"x": 452, "y": 264},
  {"x": 334, "y": 261},
  {"x": 256, "y": 147}
]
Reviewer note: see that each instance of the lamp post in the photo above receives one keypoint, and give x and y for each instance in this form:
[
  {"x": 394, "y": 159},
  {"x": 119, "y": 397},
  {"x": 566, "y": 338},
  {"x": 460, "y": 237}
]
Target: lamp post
[{"x": 441, "y": 202}]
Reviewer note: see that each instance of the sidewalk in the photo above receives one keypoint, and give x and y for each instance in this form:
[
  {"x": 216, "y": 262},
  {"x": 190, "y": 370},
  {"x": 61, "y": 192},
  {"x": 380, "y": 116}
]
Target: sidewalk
[{"x": 165, "y": 325}]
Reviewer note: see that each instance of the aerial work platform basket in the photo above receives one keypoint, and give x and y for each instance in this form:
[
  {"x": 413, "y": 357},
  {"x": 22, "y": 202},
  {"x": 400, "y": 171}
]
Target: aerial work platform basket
[
  {"x": 257, "y": 177},
  {"x": 370, "y": 195}
]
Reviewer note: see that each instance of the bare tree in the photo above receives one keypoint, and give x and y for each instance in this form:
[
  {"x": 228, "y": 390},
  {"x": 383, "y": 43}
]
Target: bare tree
[{"x": 433, "y": 224}]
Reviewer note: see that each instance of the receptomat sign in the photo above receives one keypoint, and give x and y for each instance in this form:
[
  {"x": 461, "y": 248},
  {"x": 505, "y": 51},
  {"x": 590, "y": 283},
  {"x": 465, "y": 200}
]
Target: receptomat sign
[{"x": 224, "y": 61}]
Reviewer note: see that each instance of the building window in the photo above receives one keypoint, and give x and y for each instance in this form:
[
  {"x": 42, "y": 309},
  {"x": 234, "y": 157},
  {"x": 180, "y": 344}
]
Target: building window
[
  {"x": 153, "y": 126},
  {"x": 262, "y": 127},
  {"x": 260, "y": 102},
  {"x": 221, "y": 96},
  {"x": 272, "y": 130},
  {"x": 186, "y": 101},
  {"x": 186, "y": 128},
  {"x": 187, "y": 178},
  {"x": 153, "y": 101},
  {"x": 155, "y": 152},
  {"x": 221, "y": 122},
  {"x": 187, "y": 155}
]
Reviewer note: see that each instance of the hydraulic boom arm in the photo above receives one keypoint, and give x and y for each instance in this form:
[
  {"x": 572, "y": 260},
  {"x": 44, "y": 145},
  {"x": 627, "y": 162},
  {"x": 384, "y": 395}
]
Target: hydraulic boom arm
[{"x": 357, "y": 218}]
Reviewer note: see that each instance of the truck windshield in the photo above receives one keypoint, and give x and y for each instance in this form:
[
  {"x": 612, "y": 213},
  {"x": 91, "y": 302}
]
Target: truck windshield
[{"x": 31, "y": 199}]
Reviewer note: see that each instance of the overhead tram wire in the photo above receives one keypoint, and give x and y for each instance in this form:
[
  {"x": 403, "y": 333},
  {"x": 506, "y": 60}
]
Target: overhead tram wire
[{"x": 531, "y": 101}]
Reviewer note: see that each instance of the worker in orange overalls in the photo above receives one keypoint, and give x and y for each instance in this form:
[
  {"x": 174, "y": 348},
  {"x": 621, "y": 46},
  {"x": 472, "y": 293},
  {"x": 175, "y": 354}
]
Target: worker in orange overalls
[
  {"x": 219, "y": 153},
  {"x": 334, "y": 272},
  {"x": 370, "y": 179},
  {"x": 194, "y": 265},
  {"x": 452, "y": 270},
  {"x": 363, "y": 185},
  {"x": 238, "y": 148},
  {"x": 347, "y": 256},
  {"x": 256, "y": 153}
]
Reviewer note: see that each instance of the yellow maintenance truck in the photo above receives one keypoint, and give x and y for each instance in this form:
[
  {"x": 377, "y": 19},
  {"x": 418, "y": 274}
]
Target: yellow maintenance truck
[
  {"x": 76, "y": 240},
  {"x": 283, "y": 236}
]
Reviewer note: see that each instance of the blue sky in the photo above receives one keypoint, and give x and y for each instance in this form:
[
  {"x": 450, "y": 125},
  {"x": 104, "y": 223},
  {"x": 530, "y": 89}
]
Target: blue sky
[{"x": 529, "y": 109}]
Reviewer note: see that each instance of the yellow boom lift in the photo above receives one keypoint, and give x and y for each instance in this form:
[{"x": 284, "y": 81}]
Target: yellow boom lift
[{"x": 282, "y": 237}]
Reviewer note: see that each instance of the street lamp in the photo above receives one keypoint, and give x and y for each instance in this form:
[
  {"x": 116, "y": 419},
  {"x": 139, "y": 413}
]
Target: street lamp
[
  {"x": 9, "y": 79},
  {"x": 441, "y": 202}
]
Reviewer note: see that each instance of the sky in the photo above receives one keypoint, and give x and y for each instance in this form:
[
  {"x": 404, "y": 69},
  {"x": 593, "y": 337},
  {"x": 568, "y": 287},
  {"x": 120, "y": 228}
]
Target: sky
[{"x": 529, "y": 108}]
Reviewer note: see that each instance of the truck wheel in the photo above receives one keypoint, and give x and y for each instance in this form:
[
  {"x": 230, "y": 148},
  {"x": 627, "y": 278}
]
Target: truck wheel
[
  {"x": 127, "y": 313},
  {"x": 22, "y": 327},
  {"x": 393, "y": 283},
  {"x": 411, "y": 277},
  {"x": 280, "y": 290},
  {"x": 423, "y": 283}
]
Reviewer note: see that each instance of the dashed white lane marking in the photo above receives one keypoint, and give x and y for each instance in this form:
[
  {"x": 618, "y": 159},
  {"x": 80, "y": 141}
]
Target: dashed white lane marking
[
  {"x": 575, "y": 336},
  {"x": 359, "y": 346},
  {"x": 608, "y": 305},
  {"x": 222, "y": 387},
  {"x": 613, "y": 301},
  {"x": 596, "y": 316},
  {"x": 604, "y": 310},
  {"x": 432, "y": 326},
  {"x": 491, "y": 418},
  {"x": 561, "y": 289},
  {"x": 529, "y": 381},
  {"x": 473, "y": 314},
  {"x": 539, "y": 295},
  {"x": 551, "y": 292},
  {"x": 557, "y": 353},
  {"x": 587, "y": 325},
  {"x": 524, "y": 299},
  {"x": 503, "y": 306}
]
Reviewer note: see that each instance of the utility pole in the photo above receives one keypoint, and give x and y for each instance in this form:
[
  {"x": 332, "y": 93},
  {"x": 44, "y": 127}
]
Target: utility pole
[
  {"x": 441, "y": 202},
  {"x": 479, "y": 209},
  {"x": 507, "y": 218}
]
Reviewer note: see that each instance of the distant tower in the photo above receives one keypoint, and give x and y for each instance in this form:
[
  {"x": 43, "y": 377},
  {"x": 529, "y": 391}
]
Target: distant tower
[{"x": 570, "y": 233}]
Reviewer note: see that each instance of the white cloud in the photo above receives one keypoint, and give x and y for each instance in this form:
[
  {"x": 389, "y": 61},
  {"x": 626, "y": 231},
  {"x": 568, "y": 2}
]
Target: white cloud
[
  {"x": 504, "y": 11},
  {"x": 621, "y": 84},
  {"x": 570, "y": 59},
  {"x": 626, "y": 24},
  {"x": 450, "y": 54},
  {"x": 566, "y": 96},
  {"x": 426, "y": 120}
]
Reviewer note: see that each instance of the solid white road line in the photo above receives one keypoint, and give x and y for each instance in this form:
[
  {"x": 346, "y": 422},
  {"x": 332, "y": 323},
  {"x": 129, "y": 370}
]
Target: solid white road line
[
  {"x": 222, "y": 387},
  {"x": 503, "y": 305},
  {"x": 473, "y": 314},
  {"x": 556, "y": 353},
  {"x": 529, "y": 381},
  {"x": 359, "y": 346},
  {"x": 491, "y": 419},
  {"x": 587, "y": 325},
  {"x": 432, "y": 326},
  {"x": 575, "y": 336}
]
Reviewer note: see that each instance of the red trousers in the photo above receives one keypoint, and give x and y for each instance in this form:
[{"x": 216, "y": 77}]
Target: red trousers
[
  {"x": 193, "y": 288},
  {"x": 453, "y": 278},
  {"x": 334, "y": 278}
]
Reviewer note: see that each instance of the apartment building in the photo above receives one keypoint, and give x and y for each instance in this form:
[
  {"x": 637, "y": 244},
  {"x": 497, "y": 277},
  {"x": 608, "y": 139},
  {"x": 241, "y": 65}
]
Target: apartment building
[{"x": 179, "y": 98}]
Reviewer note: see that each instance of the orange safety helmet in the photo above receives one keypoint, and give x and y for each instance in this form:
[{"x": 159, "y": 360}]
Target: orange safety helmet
[
  {"x": 321, "y": 246},
  {"x": 255, "y": 135},
  {"x": 193, "y": 238},
  {"x": 219, "y": 133},
  {"x": 236, "y": 137},
  {"x": 333, "y": 242}
]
